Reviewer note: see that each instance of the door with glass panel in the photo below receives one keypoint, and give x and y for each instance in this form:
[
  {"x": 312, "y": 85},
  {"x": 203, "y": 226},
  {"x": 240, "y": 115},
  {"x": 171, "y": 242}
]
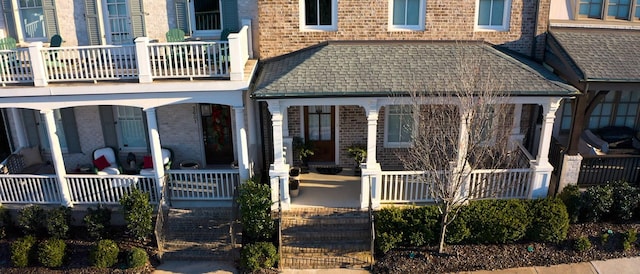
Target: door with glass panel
[
  {"x": 319, "y": 124},
  {"x": 206, "y": 18},
  {"x": 118, "y": 27}
]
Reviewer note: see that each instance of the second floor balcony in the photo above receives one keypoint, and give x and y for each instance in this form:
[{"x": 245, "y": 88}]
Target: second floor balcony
[{"x": 142, "y": 61}]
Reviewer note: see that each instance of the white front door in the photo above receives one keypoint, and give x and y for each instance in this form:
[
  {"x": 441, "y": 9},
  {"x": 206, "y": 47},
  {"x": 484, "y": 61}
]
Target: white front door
[
  {"x": 206, "y": 17},
  {"x": 118, "y": 25}
]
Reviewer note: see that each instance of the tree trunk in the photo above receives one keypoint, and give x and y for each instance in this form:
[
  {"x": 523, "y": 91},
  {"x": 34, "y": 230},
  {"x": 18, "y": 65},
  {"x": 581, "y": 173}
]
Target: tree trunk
[{"x": 443, "y": 230}]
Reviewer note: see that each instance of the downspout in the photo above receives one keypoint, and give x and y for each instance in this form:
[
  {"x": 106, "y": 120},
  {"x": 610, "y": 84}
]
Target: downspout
[{"x": 535, "y": 30}]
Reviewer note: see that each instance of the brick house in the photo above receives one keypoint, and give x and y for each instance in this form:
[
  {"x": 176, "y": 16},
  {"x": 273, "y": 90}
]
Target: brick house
[
  {"x": 591, "y": 44},
  {"x": 115, "y": 82},
  {"x": 346, "y": 62}
]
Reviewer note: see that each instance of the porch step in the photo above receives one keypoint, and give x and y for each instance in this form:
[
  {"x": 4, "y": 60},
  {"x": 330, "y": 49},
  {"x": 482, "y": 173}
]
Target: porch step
[
  {"x": 201, "y": 234},
  {"x": 326, "y": 238}
]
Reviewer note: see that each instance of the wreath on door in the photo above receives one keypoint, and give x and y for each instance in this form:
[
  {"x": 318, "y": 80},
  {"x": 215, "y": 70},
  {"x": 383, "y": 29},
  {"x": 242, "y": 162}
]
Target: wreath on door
[{"x": 219, "y": 121}]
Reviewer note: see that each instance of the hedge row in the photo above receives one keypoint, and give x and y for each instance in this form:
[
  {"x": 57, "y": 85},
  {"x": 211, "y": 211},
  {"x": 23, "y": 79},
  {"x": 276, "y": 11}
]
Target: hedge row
[
  {"x": 485, "y": 221},
  {"x": 617, "y": 202}
]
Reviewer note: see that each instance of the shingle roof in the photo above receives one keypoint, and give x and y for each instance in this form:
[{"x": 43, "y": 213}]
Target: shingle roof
[
  {"x": 602, "y": 54},
  {"x": 385, "y": 68}
]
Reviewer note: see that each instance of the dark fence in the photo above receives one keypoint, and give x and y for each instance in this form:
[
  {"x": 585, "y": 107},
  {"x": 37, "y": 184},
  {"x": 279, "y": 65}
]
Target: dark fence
[
  {"x": 556, "y": 155},
  {"x": 604, "y": 169}
]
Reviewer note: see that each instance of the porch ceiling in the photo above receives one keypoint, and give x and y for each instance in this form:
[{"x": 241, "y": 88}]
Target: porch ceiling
[
  {"x": 604, "y": 55},
  {"x": 384, "y": 68}
]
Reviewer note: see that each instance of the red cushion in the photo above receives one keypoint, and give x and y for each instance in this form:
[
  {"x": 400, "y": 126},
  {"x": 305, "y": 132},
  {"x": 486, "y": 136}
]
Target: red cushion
[
  {"x": 148, "y": 162},
  {"x": 101, "y": 163}
]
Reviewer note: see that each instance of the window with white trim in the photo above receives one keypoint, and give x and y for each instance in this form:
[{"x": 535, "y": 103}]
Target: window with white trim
[
  {"x": 131, "y": 129},
  {"x": 319, "y": 15},
  {"x": 609, "y": 9},
  {"x": 493, "y": 15},
  {"x": 32, "y": 16},
  {"x": 406, "y": 14},
  {"x": 565, "y": 118},
  {"x": 399, "y": 125}
]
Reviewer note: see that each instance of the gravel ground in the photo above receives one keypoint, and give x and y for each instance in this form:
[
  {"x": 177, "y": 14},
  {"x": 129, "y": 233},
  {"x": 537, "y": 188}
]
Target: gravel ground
[{"x": 491, "y": 257}]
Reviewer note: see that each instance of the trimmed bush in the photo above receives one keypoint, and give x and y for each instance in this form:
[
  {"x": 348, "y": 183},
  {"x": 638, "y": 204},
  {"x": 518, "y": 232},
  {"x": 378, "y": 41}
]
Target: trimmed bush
[
  {"x": 582, "y": 244},
  {"x": 457, "y": 231},
  {"x": 389, "y": 224},
  {"x": 138, "y": 214},
  {"x": 630, "y": 238},
  {"x": 97, "y": 222},
  {"x": 549, "y": 220},
  {"x": 258, "y": 255},
  {"x": 5, "y": 221},
  {"x": 51, "y": 252},
  {"x": 137, "y": 257},
  {"x": 255, "y": 207},
  {"x": 22, "y": 251},
  {"x": 421, "y": 225},
  {"x": 625, "y": 200},
  {"x": 59, "y": 222},
  {"x": 496, "y": 221},
  {"x": 571, "y": 197},
  {"x": 596, "y": 203},
  {"x": 32, "y": 220},
  {"x": 104, "y": 254}
]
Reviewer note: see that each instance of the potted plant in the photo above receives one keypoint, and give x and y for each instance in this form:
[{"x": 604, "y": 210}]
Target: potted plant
[
  {"x": 304, "y": 150},
  {"x": 359, "y": 154},
  {"x": 294, "y": 182}
]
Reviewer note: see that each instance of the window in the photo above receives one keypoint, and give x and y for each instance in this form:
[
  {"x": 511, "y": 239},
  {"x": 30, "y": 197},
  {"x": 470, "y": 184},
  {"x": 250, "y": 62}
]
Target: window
[
  {"x": 601, "y": 115},
  {"x": 493, "y": 15},
  {"x": 609, "y": 9},
  {"x": 399, "y": 126},
  {"x": 319, "y": 15},
  {"x": 619, "y": 108},
  {"x": 207, "y": 17},
  {"x": 406, "y": 14},
  {"x": 565, "y": 119},
  {"x": 44, "y": 139},
  {"x": 319, "y": 123},
  {"x": 131, "y": 128},
  {"x": 117, "y": 15},
  {"x": 33, "y": 16},
  {"x": 30, "y": 20},
  {"x": 483, "y": 124},
  {"x": 627, "y": 109}
]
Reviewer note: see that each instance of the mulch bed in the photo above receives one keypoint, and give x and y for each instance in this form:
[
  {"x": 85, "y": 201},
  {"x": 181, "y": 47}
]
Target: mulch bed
[{"x": 492, "y": 257}]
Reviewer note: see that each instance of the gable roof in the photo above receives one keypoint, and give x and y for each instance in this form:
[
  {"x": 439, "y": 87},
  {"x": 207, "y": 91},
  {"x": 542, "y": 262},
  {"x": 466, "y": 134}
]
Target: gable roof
[
  {"x": 600, "y": 54},
  {"x": 383, "y": 68}
]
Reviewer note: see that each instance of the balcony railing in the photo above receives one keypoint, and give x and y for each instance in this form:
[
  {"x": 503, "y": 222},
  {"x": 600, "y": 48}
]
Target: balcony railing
[{"x": 143, "y": 61}]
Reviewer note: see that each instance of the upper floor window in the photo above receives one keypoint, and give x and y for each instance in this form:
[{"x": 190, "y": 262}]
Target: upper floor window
[
  {"x": 33, "y": 17},
  {"x": 406, "y": 14},
  {"x": 399, "y": 126},
  {"x": 319, "y": 15},
  {"x": 493, "y": 15},
  {"x": 207, "y": 17},
  {"x": 30, "y": 20},
  {"x": 609, "y": 9}
]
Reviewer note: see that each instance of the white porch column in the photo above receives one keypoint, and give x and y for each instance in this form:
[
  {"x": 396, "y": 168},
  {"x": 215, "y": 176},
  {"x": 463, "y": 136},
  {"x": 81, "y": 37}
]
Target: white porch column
[
  {"x": 242, "y": 147},
  {"x": 371, "y": 184},
  {"x": 156, "y": 149},
  {"x": 144, "y": 62},
  {"x": 56, "y": 155},
  {"x": 37, "y": 65},
  {"x": 516, "y": 135},
  {"x": 279, "y": 170},
  {"x": 18, "y": 125},
  {"x": 542, "y": 167},
  {"x": 461, "y": 170}
]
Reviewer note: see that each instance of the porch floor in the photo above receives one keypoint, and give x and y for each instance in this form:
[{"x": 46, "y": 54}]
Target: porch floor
[{"x": 321, "y": 190}]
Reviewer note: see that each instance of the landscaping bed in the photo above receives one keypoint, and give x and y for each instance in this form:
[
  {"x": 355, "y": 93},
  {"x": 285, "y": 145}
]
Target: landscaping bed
[{"x": 501, "y": 256}]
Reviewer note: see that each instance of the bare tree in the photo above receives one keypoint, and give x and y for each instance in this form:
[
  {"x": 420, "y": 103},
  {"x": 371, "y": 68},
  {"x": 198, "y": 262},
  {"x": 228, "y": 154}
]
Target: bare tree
[{"x": 462, "y": 123}]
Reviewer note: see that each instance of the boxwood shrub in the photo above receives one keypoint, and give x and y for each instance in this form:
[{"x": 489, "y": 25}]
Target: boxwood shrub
[
  {"x": 549, "y": 220},
  {"x": 496, "y": 221},
  {"x": 258, "y": 255},
  {"x": 572, "y": 199},
  {"x": 51, "y": 252},
  {"x": 625, "y": 200},
  {"x": 104, "y": 254},
  {"x": 22, "y": 251},
  {"x": 59, "y": 222},
  {"x": 32, "y": 220},
  {"x": 410, "y": 226},
  {"x": 138, "y": 214},
  {"x": 596, "y": 203},
  {"x": 5, "y": 221},
  {"x": 97, "y": 222},
  {"x": 137, "y": 257}
]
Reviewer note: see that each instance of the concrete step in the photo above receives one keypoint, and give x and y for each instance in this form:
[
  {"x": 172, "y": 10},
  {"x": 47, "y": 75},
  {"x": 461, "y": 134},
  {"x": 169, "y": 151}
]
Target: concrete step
[
  {"x": 202, "y": 253},
  {"x": 335, "y": 249},
  {"x": 320, "y": 262},
  {"x": 325, "y": 237}
]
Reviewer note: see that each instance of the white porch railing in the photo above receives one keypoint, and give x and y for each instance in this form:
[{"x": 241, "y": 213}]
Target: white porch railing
[
  {"x": 407, "y": 186},
  {"x": 192, "y": 59},
  {"x": 108, "y": 189},
  {"x": 90, "y": 63},
  {"x": 500, "y": 183},
  {"x": 14, "y": 66},
  {"x": 29, "y": 189},
  {"x": 201, "y": 184}
]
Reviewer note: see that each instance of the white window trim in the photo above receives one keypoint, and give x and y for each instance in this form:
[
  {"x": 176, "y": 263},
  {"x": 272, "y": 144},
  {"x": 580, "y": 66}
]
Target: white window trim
[
  {"x": 419, "y": 27},
  {"x": 334, "y": 18},
  {"x": 388, "y": 144},
  {"x": 18, "y": 23},
  {"x": 505, "y": 19},
  {"x": 203, "y": 33}
]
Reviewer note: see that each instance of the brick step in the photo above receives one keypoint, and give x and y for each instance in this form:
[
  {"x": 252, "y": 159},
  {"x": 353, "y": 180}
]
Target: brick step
[
  {"x": 311, "y": 227},
  {"x": 335, "y": 212},
  {"x": 218, "y": 213},
  {"x": 202, "y": 254},
  {"x": 188, "y": 245},
  {"x": 328, "y": 248},
  {"x": 197, "y": 237},
  {"x": 324, "y": 221},
  {"x": 320, "y": 262},
  {"x": 326, "y": 236}
]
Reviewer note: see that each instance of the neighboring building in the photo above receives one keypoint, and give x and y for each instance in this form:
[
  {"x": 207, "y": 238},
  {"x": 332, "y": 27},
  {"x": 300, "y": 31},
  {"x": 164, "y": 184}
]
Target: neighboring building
[
  {"x": 116, "y": 82},
  {"x": 593, "y": 45},
  {"x": 337, "y": 71}
]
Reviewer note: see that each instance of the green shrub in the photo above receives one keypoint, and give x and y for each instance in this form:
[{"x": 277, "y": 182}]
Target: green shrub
[
  {"x": 630, "y": 238},
  {"x": 571, "y": 197},
  {"x": 389, "y": 223},
  {"x": 421, "y": 225},
  {"x": 386, "y": 241},
  {"x": 496, "y": 221},
  {"x": 582, "y": 244},
  {"x": 138, "y": 214},
  {"x": 625, "y": 200},
  {"x": 255, "y": 206},
  {"x": 604, "y": 238},
  {"x": 549, "y": 220},
  {"x": 59, "y": 222},
  {"x": 22, "y": 251},
  {"x": 596, "y": 203},
  {"x": 5, "y": 221},
  {"x": 137, "y": 257},
  {"x": 32, "y": 220},
  {"x": 104, "y": 254},
  {"x": 258, "y": 255},
  {"x": 457, "y": 231},
  {"x": 97, "y": 222},
  {"x": 51, "y": 252}
]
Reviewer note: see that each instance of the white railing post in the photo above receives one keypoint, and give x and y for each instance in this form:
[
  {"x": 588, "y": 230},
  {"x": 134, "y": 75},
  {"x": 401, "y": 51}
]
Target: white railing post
[
  {"x": 279, "y": 171},
  {"x": 37, "y": 65},
  {"x": 247, "y": 22},
  {"x": 56, "y": 155},
  {"x": 242, "y": 145},
  {"x": 371, "y": 185},
  {"x": 238, "y": 54},
  {"x": 144, "y": 62}
]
